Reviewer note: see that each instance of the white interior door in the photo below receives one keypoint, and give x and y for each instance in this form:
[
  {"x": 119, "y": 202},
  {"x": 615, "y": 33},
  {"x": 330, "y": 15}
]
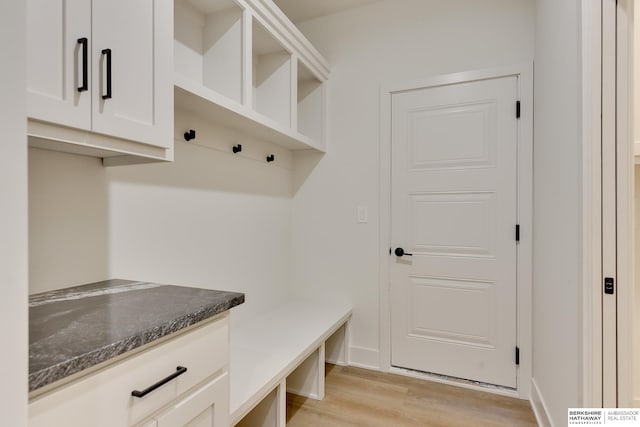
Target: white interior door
[{"x": 454, "y": 201}]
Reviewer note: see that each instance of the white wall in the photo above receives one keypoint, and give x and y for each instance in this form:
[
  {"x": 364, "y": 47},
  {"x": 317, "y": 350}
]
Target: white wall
[
  {"x": 215, "y": 220},
  {"x": 13, "y": 216},
  {"x": 68, "y": 220},
  {"x": 211, "y": 219},
  {"x": 389, "y": 41},
  {"x": 557, "y": 204}
]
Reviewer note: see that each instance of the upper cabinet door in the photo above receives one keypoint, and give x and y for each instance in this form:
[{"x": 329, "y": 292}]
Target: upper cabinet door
[
  {"x": 58, "y": 38},
  {"x": 133, "y": 78}
]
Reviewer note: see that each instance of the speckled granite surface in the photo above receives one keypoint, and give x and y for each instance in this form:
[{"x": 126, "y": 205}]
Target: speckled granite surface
[{"x": 75, "y": 328}]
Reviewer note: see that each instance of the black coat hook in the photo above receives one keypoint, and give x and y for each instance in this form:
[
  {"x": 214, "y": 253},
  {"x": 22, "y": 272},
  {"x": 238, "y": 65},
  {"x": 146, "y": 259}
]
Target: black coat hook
[
  {"x": 191, "y": 134},
  {"x": 270, "y": 158},
  {"x": 237, "y": 148}
]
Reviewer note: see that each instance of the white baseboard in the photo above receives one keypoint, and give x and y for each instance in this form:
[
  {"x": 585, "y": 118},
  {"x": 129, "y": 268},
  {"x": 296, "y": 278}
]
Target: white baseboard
[
  {"x": 363, "y": 357},
  {"x": 539, "y": 408},
  {"x": 337, "y": 362},
  {"x": 299, "y": 392}
]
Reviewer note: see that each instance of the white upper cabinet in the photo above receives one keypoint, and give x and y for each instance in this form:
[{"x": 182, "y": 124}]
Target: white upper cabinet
[
  {"x": 100, "y": 78},
  {"x": 103, "y": 74},
  {"x": 58, "y": 44},
  {"x": 132, "y": 55}
]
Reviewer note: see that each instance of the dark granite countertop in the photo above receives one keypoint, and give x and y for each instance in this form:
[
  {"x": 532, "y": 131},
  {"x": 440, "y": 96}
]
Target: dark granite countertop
[{"x": 76, "y": 328}]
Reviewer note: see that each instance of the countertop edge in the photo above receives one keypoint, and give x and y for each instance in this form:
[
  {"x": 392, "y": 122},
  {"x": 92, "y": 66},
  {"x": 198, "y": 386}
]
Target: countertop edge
[{"x": 50, "y": 375}]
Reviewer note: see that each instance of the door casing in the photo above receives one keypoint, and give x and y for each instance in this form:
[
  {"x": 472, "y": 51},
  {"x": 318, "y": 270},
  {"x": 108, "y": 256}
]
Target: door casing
[
  {"x": 608, "y": 331},
  {"x": 524, "y": 73},
  {"x": 626, "y": 349}
]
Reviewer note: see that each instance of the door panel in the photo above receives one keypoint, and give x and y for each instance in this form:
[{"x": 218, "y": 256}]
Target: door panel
[
  {"x": 469, "y": 230},
  {"x": 54, "y": 61},
  {"x": 454, "y": 169},
  {"x": 430, "y": 316},
  {"x": 140, "y": 37},
  {"x": 466, "y": 129}
]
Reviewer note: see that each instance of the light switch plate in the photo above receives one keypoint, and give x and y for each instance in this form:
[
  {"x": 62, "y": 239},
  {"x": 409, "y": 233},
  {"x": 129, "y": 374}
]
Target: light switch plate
[{"x": 363, "y": 215}]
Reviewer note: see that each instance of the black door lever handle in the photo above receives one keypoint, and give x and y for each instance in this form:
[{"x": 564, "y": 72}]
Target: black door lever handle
[{"x": 401, "y": 252}]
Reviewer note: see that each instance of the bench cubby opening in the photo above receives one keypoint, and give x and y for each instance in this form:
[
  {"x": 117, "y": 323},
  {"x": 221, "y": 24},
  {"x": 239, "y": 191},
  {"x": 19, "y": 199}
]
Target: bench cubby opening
[
  {"x": 270, "y": 412},
  {"x": 304, "y": 377}
]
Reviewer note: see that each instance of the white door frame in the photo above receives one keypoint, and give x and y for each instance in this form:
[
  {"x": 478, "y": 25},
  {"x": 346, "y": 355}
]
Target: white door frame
[
  {"x": 524, "y": 72},
  {"x": 591, "y": 230},
  {"x": 627, "y": 317},
  {"x": 607, "y": 95},
  {"x": 609, "y": 202}
]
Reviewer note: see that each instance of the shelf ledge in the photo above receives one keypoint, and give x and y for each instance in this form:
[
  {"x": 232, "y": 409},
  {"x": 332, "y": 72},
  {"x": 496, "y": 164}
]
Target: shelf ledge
[{"x": 207, "y": 103}]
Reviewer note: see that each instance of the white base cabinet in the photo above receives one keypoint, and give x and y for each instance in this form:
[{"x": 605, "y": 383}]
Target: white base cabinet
[{"x": 103, "y": 398}]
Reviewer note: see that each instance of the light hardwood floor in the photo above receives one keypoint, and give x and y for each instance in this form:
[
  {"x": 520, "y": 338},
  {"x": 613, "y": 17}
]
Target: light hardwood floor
[{"x": 359, "y": 397}]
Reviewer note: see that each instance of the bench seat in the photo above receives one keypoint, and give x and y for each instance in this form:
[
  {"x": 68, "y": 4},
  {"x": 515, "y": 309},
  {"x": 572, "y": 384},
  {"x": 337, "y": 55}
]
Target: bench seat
[{"x": 268, "y": 348}]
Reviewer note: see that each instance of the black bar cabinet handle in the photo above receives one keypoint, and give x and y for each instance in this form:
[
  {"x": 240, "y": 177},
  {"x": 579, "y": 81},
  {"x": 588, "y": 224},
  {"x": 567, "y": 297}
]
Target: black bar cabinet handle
[
  {"x": 85, "y": 64},
  {"x": 107, "y": 52},
  {"x": 179, "y": 371}
]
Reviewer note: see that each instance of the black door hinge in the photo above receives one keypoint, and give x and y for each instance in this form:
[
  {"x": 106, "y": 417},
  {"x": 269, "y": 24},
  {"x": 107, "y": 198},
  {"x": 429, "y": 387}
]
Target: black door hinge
[
  {"x": 609, "y": 285},
  {"x": 517, "y": 109},
  {"x": 517, "y": 355},
  {"x": 517, "y": 232},
  {"x": 389, "y": 251}
]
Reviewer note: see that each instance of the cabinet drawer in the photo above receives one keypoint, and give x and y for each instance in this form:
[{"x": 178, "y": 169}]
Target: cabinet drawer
[
  {"x": 103, "y": 398},
  {"x": 207, "y": 406}
]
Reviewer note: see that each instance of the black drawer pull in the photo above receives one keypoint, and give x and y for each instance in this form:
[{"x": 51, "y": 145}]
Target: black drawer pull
[
  {"x": 107, "y": 53},
  {"x": 85, "y": 63},
  {"x": 179, "y": 371}
]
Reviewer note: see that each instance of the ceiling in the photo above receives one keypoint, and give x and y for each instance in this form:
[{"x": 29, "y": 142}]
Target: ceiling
[{"x": 302, "y": 10}]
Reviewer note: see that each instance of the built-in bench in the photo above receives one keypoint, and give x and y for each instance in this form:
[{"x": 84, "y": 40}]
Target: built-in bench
[{"x": 284, "y": 350}]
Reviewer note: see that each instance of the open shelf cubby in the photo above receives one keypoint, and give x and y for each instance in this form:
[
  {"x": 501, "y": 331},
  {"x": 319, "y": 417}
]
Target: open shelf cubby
[
  {"x": 271, "y": 76},
  {"x": 208, "y": 44},
  {"x": 310, "y": 105},
  {"x": 236, "y": 63}
]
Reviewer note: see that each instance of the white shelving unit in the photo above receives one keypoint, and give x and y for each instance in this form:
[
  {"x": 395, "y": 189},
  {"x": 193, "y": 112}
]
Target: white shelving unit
[
  {"x": 271, "y": 76},
  {"x": 243, "y": 64},
  {"x": 310, "y": 104},
  {"x": 208, "y": 45}
]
